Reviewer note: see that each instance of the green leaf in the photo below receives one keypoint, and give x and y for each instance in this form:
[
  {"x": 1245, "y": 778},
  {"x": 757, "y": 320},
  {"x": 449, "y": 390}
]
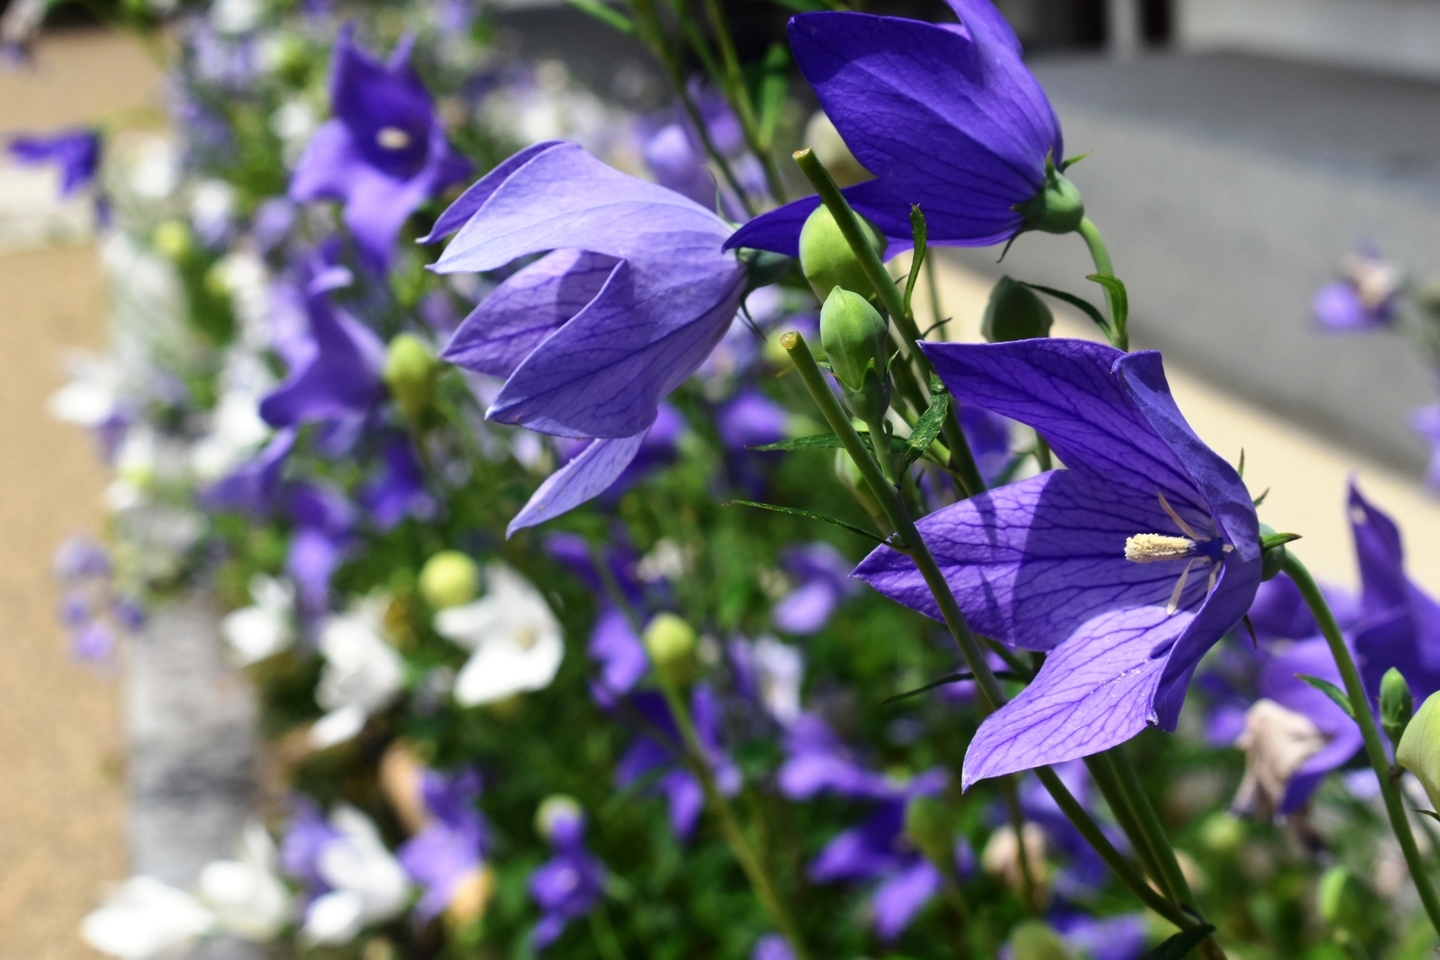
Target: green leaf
[
  {"x": 820, "y": 441},
  {"x": 951, "y": 678},
  {"x": 920, "y": 232},
  {"x": 927, "y": 428},
  {"x": 1429, "y": 813},
  {"x": 1179, "y": 946},
  {"x": 604, "y": 13},
  {"x": 805, "y": 6},
  {"x": 1118, "y": 296},
  {"x": 1331, "y": 691},
  {"x": 809, "y": 514},
  {"x": 772, "y": 89},
  {"x": 1080, "y": 304}
]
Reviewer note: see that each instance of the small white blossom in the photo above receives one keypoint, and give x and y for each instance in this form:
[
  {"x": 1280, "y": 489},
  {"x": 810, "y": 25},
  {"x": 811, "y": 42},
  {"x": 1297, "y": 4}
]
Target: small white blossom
[
  {"x": 515, "y": 637},
  {"x": 146, "y": 918},
  {"x": 267, "y": 627},
  {"x": 779, "y": 672},
  {"x": 368, "y": 885},
  {"x": 362, "y": 672},
  {"x": 246, "y": 894}
]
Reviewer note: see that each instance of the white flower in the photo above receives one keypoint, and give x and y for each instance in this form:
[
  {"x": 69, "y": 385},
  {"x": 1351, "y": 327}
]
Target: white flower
[
  {"x": 368, "y": 885},
  {"x": 517, "y": 641},
  {"x": 1277, "y": 742},
  {"x": 246, "y": 894},
  {"x": 212, "y": 208},
  {"x": 234, "y": 17},
  {"x": 146, "y": 918},
  {"x": 362, "y": 672},
  {"x": 236, "y": 430},
  {"x": 93, "y": 394},
  {"x": 262, "y": 630},
  {"x": 779, "y": 671},
  {"x": 294, "y": 122}
]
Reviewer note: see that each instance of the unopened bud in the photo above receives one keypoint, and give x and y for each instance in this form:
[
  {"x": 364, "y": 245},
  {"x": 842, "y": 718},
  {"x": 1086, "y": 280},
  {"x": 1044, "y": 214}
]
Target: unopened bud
[
  {"x": 172, "y": 239},
  {"x": 930, "y": 825},
  {"x": 1015, "y": 312},
  {"x": 449, "y": 579},
  {"x": 1036, "y": 940},
  {"x": 1396, "y": 704},
  {"x": 857, "y": 345},
  {"x": 1419, "y": 748},
  {"x": 1222, "y": 832},
  {"x": 671, "y": 642},
  {"x": 559, "y": 815},
  {"x": 1057, "y": 208},
  {"x": 410, "y": 371},
  {"x": 1347, "y": 906},
  {"x": 826, "y": 258}
]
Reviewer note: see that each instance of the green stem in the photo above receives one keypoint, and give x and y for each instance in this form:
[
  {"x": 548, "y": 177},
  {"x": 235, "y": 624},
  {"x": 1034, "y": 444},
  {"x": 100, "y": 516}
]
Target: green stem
[
  {"x": 991, "y": 695},
  {"x": 1374, "y": 747},
  {"x": 906, "y": 332},
  {"x": 1103, "y": 773},
  {"x": 739, "y": 97},
  {"x": 1029, "y": 893},
  {"x": 1119, "y": 335},
  {"x": 603, "y": 935},
  {"x": 729, "y": 824}
]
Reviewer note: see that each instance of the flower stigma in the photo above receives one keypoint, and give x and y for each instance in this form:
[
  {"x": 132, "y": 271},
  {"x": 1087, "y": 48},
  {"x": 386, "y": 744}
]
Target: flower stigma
[
  {"x": 1155, "y": 547},
  {"x": 392, "y": 138}
]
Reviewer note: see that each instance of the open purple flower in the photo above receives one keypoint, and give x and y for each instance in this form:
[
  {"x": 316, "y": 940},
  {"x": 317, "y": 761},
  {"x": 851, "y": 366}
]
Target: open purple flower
[
  {"x": 632, "y": 295},
  {"x": 75, "y": 152},
  {"x": 1121, "y": 937},
  {"x": 818, "y": 762},
  {"x": 649, "y": 756},
  {"x": 450, "y": 848},
  {"x": 384, "y": 154},
  {"x": 1126, "y": 568},
  {"x": 570, "y": 884},
  {"x": 254, "y": 486},
  {"x": 335, "y": 371},
  {"x": 1366, "y": 295},
  {"x": 821, "y": 573},
  {"x": 944, "y": 115}
]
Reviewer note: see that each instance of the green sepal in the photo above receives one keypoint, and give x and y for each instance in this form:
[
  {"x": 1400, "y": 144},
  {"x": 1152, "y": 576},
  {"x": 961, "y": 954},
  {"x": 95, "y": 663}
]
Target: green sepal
[
  {"x": 1331, "y": 691},
  {"x": 1118, "y": 297}
]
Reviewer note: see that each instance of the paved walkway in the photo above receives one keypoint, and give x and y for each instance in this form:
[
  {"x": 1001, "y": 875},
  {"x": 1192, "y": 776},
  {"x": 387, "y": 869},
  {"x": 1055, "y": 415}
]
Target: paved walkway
[{"x": 62, "y": 812}]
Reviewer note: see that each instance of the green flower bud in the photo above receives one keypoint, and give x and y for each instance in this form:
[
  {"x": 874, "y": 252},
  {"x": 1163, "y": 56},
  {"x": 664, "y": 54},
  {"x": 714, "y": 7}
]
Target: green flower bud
[
  {"x": 410, "y": 372},
  {"x": 1272, "y": 551},
  {"x": 1396, "y": 704},
  {"x": 765, "y": 267},
  {"x": 1222, "y": 832},
  {"x": 1035, "y": 940},
  {"x": 1015, "y": 312},
  {"x": 449, "y": 579},
  {"x": 826, "y": 258},
  {"x": 1347, "y": 906},
  {"x": 172, "y": 239},
  {"x": 855, "y": 338},
  {"x": 930, "y": 825},
  {"x": 1419, "y": 747},
  {"x": 671, "y": 643},
  {"x": 1057, "y": 208}
]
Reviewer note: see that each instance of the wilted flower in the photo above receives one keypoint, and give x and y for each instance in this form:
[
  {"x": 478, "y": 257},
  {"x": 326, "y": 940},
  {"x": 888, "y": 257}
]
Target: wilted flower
[
  {"x": 944, "y": 116},
  {"x": 516, "y": 639},
  {"x": 1096, "y": 564},
  {"x": 384, "y": 154}
]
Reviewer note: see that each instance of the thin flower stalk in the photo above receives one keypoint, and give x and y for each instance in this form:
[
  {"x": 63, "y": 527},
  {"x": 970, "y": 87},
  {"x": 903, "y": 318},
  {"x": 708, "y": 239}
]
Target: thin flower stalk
[
  {"x": 1119, "y": 334},
  {"x": 992, "y": 696},
  {"x": 1374, "y": 747}
]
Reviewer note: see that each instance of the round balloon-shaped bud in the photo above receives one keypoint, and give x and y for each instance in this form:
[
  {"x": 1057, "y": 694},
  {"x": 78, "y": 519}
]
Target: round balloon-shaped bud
[
  {"x": 855, "y": 336},
  {"x": 172, "y": 239},
  {"x": 1419, "y": 747},
  {"x": 671, "y": 643},
  {"x": 1036, "y": 940},
  {"x": 1396, "y": 704},
  {"x": 1015, "y": 312},
  {"x": 827, "y": 259},
  {"x": 449, "y": 579},
  {"x": 559, "y": 818},
  {"x": 410, "y": 371}
]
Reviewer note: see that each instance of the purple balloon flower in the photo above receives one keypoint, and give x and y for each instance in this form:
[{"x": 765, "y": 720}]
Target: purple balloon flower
[
  {"x": 772, "y": 946},
  {"x": 398, "y": 490},
  {"x": 1122, "y": 937},
  {"x": 631, "y": 297},
  {"x": 650, "y": 756},
  {"x": 254, "y": 486},
  {"x": 450, "y": 848},
  {"x": 620, "y": 654},
  {"x": 324, "y": 527},
  {"x": 818, "y": 762},
  {"x": 823, "y": 576},
  {"x": 1126, "y": 568},
  {"x": 384, "y": 154},
  {"x": 1365, "y": 297},
  {"x": 568, "y": 885},
  {"x": 75, "y": 152},
  {"x": 944, "y": 115},
  {"x": 751, "y": 419},
  {"x": 335, "y": 371}
]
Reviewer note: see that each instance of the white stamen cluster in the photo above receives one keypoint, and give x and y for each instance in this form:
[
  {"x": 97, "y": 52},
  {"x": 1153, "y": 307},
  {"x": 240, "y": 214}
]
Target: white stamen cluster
[
  {"x": 392, "y": 138},
  {"x": 1154, "y": 547}
]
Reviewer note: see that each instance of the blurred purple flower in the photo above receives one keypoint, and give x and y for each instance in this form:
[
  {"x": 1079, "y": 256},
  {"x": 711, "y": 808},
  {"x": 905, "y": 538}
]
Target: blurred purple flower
[
  {"x": 1093, "y": 563},
  {"x": 254, "y": 487},
  {"x": 1426, "y": 422},
  {"x": 81, "y": 557},
  {"x": 384, "y": 154},
  {"x": 823, "y": 580},
  {"x": 1365, "y": 297},
  {"x": 620, "y": 654},
  {"x": 772, "y": 946},
  {"x": 650, "y": 757},
  {"x": 74, "y": 152},
  {"x": 324, "y": 529},
  {"x": 1121, "y": 937},
  {"x": 398, "y": 490},
  {"x": 568, "y": 885},
  {"x": 818, "y": 762},
  {"x": 751, "y": 419},
  {"x": 451, "y": 846},
  {"x": 944, "y": 115}
]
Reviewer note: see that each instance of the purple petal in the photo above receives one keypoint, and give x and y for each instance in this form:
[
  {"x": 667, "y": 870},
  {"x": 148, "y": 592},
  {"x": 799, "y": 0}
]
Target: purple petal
[
  {"x": 901, "y": 896},
  {"x": 620, "y": 653},
  {"x": 465, "y": 207},
  {"x": 525, "y": 309},
  {"x": 807, "y": 608},
  {"x": 583, "y": 478},
  {"x": 1337, "y": 307}
]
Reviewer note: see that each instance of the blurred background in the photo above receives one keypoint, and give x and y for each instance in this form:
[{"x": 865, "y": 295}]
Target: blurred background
[{"x": 1241, "y": 148}]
